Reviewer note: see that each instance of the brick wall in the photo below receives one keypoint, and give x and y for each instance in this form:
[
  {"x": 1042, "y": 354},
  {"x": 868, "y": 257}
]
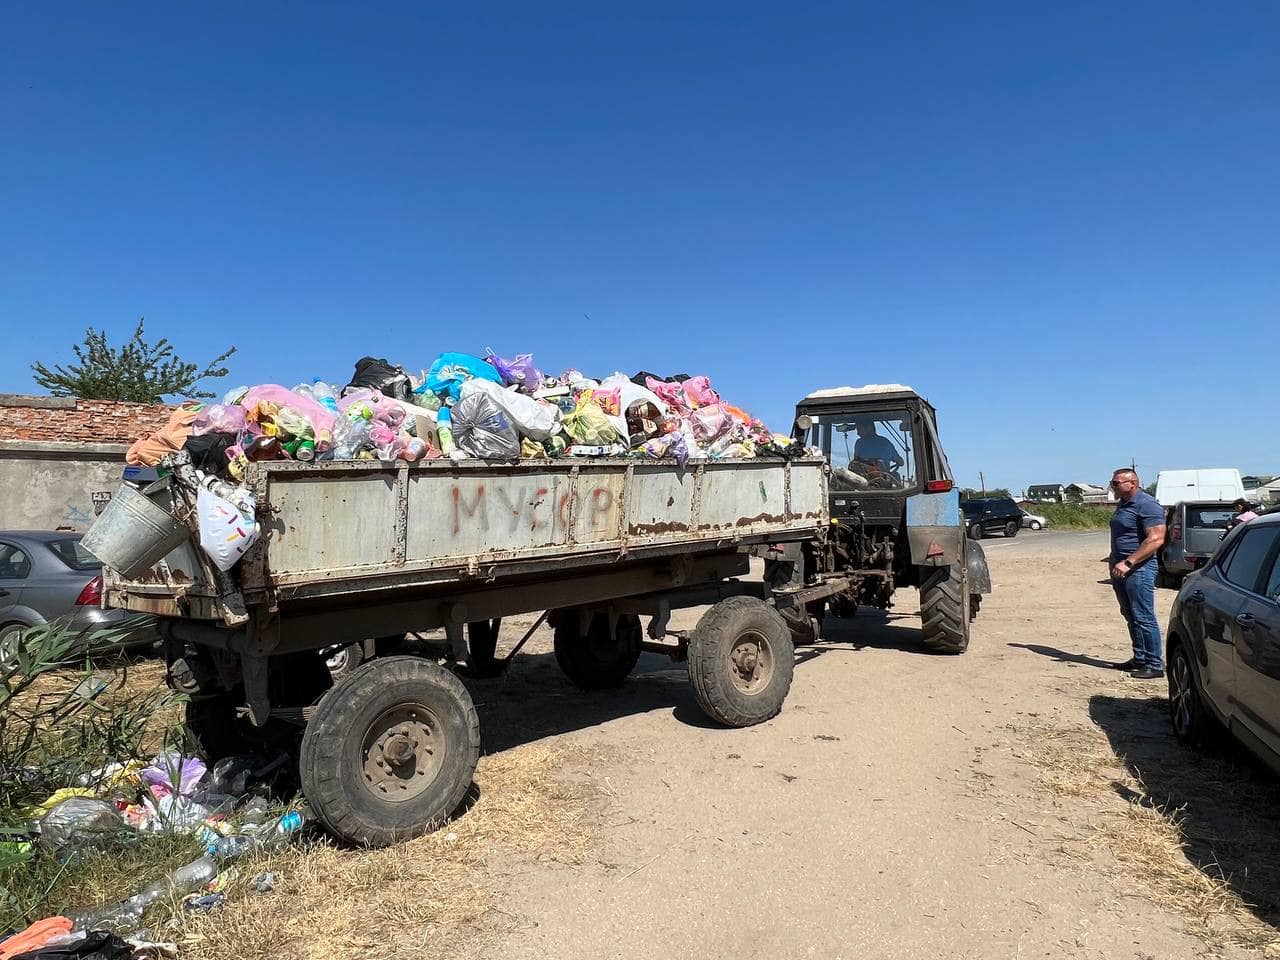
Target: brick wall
[{"x": 71, "y": 420}]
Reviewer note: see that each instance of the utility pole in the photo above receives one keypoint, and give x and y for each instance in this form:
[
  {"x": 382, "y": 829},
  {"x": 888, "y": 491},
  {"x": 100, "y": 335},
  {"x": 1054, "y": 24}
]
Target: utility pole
[{"x": 983, "y": 480}]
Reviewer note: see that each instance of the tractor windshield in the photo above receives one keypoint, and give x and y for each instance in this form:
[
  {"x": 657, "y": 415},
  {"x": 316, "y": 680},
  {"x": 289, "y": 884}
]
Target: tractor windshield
[{"x": 867, "y": 450}]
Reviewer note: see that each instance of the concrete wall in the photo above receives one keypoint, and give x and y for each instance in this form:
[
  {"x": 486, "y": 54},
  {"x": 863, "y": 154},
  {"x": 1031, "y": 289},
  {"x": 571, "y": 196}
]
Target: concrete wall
[{"x": 48, "y": 485}]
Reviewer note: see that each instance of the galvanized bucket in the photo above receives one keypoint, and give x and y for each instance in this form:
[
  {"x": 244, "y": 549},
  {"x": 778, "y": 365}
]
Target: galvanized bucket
[{"x": 135, "y": 532}]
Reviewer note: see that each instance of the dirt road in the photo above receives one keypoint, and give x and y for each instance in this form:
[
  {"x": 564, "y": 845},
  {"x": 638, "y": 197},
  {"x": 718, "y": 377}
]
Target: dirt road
[{"x": 902, "y": 805}]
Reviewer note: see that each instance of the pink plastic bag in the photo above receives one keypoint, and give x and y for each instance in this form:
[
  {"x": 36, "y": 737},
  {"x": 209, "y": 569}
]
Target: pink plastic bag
[
  {"x": 710, "y": 422},
  {"x": 672, "y": 394},
  {"x": 321, "y": 419},
  {"x": 698, "y": 392},
  {"x": 219, "y": 418}
]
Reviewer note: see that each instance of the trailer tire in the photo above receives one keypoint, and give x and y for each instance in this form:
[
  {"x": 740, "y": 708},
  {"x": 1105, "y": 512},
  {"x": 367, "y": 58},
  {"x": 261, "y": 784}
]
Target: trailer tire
[
  {"x": 596, "y": 661},
  {"x": 741, "y": 662},
  {"x": 390, "y": 751},
  {"x": 946, "y": 608}
]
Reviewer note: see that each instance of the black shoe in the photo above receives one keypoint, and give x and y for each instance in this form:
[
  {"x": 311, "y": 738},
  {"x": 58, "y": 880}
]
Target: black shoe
[
  {"x": 1147, "y": 673},
  {"x": 1130, "y": 664}
]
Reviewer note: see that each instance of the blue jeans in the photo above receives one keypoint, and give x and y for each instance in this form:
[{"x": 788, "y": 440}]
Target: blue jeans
[{"x": 1137, "y": 596}]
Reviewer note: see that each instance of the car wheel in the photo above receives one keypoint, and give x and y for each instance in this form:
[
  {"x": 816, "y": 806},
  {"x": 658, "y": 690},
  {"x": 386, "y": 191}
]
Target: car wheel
[
  {"x": 343, "y": 660},
  {"x": 976, "y": 531},
  {"x": 9, "y": 635},
  {"x": 1034, "y": 525},
  {"x": 1187, "y": 712},
  {"x": 1011, "y": 528}
]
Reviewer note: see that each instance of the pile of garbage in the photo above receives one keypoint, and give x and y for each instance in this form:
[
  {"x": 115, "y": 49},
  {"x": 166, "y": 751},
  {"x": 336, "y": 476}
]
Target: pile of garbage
[
  {"x": 462, "y": 407},
  {"x": 226, "y": 809}
]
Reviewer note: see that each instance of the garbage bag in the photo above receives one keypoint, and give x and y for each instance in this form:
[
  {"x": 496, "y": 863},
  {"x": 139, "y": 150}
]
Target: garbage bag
[
  {"x": 79, "y": 817},
  {"x": 532, "y": 418},
  {"x": 710, "y": 422},
  {"x": 672, "y": 394},
  {"x": 644, "y": 376},
  {"x": 483, "y": 429},
  {"x": 518, "y": 371},
  {"x": 698, "y": 392},
  {"x": 174, "y": 771},
  {"x": 589, "y": 425},
  {"x": 219, "y": 418},
  {"x": 209, "y": 452},
  {"x": 273, "y": 394},
  {"x": 98, "y": 945},
  {"x": 376, "y": 374},
  {"x": 225, "y": 534},
  {"x": 451, "y": 370},
  {"x": 632, "y": 393}
]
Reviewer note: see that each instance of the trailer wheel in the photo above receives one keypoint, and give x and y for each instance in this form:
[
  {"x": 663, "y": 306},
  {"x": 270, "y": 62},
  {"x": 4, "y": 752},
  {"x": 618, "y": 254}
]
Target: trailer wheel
[
  {"x": 390, "y": 751},
  {"x": 482, "y": 647},
  {"x": 741, "y": 660},
  {"x": 946, "y": 608},
  {"x": 596, "y": 660}
]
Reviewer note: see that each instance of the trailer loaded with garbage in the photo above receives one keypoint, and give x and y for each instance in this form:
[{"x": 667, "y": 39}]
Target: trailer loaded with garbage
[{"x": 284, "y": 522}]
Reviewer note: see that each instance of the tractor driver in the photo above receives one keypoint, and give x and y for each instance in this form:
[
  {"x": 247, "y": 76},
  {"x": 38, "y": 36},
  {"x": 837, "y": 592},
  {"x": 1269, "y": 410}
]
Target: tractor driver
[{"x": 871, "y": 447}]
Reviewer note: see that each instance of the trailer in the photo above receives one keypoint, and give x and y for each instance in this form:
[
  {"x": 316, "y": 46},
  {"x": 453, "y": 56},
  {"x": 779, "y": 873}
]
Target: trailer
[{"x": 365, "y": 552}]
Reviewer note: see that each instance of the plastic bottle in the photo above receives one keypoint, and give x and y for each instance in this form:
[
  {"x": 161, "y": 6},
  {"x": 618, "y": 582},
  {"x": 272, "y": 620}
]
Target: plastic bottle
[
  {"x": 127, "y": 914},
  {"x": 444, "y": 430},
  {"x": 325, "y": 396}
]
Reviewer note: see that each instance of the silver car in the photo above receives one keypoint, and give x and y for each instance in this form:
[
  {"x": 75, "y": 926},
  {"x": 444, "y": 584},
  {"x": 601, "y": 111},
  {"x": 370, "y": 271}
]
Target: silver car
[
  {"x": 47, "y": 575},
  {"x": 1224, "y": 642}
]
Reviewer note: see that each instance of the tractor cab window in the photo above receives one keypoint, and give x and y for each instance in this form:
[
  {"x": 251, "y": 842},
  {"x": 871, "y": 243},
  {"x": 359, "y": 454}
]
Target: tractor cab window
[{"x": 867, "y": 451}]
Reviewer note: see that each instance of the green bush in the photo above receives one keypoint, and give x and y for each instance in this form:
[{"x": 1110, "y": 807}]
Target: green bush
[{"x": 1073, "y": 516}]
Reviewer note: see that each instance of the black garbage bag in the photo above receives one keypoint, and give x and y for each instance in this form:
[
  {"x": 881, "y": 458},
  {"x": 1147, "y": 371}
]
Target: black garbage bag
[
  {"x": 209, "y": 452},
  {"x": 98, "y": 945},
  {"x": 639, "y": 378},
  {"x": 380, "y": 375}
]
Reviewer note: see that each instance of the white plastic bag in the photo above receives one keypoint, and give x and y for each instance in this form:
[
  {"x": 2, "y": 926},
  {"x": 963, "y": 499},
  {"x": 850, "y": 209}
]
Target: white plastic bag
[
  {"x": 225, "y": 533},
  {"x": 537, "y": 421}
]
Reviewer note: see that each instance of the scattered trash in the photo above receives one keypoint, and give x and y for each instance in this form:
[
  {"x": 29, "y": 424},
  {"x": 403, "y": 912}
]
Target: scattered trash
[
  {"x": 98, "y": 945},
  {"x": 175, "y": 773},
  {"x": 79, "y": 818},
  {"x": 264, "y": 882},
  {"x": 34, "y": 937},
  {"x": 204, "y": 903}
]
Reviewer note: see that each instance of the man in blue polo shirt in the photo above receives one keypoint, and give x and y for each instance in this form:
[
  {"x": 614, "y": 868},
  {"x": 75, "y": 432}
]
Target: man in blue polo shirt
[
  {"x": 1137, "y": 533},
  {"x": 872, "y": 447}
]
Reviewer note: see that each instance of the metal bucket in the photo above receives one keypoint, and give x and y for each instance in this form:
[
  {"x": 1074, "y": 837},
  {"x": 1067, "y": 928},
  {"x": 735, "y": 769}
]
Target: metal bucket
[{"x": 134, "y": 532}]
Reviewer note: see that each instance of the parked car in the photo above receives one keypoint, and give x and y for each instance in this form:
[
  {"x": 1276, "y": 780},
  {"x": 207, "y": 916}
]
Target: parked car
[
  {"x": 1224, "y": 643},
  {"x": 1033, "y": 521},
  {"x": 1193, "y": 531},
  {"x": 984, "y": 515},
  {"x": 47, "y": 575}
]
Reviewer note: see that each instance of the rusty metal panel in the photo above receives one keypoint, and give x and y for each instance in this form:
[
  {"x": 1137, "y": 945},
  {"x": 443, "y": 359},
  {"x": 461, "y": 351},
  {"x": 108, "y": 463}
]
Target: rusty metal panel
[
  {"x": 322, "y": 522},
  {"x": 808, "y": 491},
  {"x": 505, "y": 514},
  {"x": 660, "y": 503}
]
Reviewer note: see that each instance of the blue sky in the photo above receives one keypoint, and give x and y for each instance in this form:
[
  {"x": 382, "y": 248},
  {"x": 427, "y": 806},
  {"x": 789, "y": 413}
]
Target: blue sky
[{"x": 1061, "y": 223}]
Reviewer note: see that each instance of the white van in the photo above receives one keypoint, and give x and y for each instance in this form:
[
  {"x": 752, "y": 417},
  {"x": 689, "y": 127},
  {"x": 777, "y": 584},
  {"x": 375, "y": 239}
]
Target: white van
[{"x": 1220, "y": 484}]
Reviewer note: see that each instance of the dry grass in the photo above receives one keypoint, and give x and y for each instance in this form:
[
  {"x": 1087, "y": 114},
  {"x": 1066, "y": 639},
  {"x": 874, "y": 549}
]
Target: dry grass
[
  {"x": 1156, "y": 842},
  {"x": 430, "y": 896}
]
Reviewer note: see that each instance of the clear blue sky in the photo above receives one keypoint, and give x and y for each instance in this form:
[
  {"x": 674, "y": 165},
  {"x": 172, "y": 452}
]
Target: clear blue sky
[{"x": 1060, "y": 222}]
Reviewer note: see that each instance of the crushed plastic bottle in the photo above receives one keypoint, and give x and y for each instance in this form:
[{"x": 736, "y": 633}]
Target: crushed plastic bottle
[{"x": 127, "y": 914}]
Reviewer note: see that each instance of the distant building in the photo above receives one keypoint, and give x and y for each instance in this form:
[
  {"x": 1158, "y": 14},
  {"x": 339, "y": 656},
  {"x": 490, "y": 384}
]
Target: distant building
[
  {"x": 1088, "y": 493},
  {"x": 1253, "y": 483},
  {"x": 1267, "y": 493},
  {"x": 1046, "y": 493}
]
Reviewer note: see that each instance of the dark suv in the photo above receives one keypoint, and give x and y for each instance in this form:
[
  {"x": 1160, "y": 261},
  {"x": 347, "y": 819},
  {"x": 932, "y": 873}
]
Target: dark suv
[{"x": 988, "y": 514}]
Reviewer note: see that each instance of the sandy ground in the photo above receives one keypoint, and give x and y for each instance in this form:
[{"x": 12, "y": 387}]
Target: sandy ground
[{"x": 895, "y": 808}]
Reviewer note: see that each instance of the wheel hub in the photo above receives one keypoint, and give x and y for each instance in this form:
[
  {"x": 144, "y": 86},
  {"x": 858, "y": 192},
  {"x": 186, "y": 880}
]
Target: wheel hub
[
  {"x": 751, "y": 660},
  {"x": 402, "y": 752}
]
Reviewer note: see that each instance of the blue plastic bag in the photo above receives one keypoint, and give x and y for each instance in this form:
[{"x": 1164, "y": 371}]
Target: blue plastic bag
[{"x": 451, "y": 370}]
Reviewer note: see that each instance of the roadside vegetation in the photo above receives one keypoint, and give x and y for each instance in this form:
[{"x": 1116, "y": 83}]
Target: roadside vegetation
[
  {"x": 61, "y": 721},
  {"x": 1073, "y": 516}
]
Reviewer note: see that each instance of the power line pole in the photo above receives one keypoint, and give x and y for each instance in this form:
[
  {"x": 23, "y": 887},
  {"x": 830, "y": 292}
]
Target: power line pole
[{"x": 983, "y": 479}]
